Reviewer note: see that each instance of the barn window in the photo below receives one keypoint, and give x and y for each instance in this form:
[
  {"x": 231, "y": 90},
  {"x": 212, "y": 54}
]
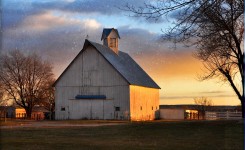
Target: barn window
[
  {"x": 117, "y": 108},
  {"x": 152, "y": 108},
  {"x": 140, "y": 107},
  {"x": 63, "y": 109},
  {"x": 112, "y": 42}
]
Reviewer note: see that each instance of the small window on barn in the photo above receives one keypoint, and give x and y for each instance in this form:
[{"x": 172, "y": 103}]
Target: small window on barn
[
  {"x": 112, "y": 42},
  {"x": 63, "y": 109},
  {"x": 152, "y": 108},
  {"x": 117, "y": 108},
  {"x": 140, "y": 107}
]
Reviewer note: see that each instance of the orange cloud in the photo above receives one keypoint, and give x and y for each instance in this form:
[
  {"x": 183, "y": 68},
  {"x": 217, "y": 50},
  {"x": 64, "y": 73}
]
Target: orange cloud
[{"x": 52, "y": 19}]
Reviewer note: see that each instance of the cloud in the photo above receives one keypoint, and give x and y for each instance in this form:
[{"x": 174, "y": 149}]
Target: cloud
[
  {"x": 108, "y": 7},
  {"x": 59, "y": 36},
  {"x": 213, "y": 92},
  {"x": 45, "y": 21},
  {"x": 138, "y": 41},
  {"x": 69, "y": 1},
  {"x": 91, "y": 23},
  {"x": 15, "y": 11},
  {"x": 49, "y": 20}
]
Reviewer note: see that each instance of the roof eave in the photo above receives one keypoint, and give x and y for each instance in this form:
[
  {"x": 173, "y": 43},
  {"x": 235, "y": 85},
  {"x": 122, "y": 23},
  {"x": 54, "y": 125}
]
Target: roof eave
[{"x": 157, "y": 87}]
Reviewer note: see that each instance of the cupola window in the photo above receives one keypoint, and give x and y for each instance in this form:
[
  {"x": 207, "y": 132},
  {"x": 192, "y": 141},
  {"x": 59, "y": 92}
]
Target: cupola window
[{"x": 112, "y": 42}]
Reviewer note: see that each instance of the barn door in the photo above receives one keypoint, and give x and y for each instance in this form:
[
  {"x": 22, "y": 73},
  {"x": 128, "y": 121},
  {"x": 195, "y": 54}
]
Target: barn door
[{"x": 97, "y": 109}]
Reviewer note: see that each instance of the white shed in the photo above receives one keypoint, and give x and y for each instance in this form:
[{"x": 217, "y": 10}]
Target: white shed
[{"x": 104, "y": 83}]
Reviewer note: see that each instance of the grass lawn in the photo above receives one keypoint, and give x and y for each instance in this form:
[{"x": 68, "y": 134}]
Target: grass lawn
[{"x": 189, "y": 135}]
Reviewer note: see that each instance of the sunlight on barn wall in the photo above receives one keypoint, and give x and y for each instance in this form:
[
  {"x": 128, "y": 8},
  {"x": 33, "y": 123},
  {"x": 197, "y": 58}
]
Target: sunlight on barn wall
[{"x": 144, "y": 103}]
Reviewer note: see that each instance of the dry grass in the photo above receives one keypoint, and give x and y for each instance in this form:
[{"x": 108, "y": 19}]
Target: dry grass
[
  {"x": 198, "y": 135},
  {"x": 22, "y": 121}
]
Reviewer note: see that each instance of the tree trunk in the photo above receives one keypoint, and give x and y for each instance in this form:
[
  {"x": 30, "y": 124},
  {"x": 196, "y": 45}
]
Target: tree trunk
[
  {"x": 243, "y": 106},
  {"x": 28, "y": 113}
]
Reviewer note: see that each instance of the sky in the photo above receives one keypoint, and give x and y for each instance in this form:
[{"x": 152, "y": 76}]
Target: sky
[{"x": 56, "y": 30}]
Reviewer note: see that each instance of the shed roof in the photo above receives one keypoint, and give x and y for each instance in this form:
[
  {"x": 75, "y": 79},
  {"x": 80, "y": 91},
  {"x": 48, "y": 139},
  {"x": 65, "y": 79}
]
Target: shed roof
[
  {"x": 123, "y": 64},
  {"x": 107, "y": 31}
]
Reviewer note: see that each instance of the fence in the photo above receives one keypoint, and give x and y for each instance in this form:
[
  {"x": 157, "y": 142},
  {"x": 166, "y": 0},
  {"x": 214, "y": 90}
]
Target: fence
[{"x": 222, "y": 115}]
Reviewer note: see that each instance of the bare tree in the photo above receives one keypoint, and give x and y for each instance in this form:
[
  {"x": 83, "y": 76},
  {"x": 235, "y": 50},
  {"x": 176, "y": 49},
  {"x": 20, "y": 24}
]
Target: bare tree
[
  {"x": 25, "y": 79},
  {"x": 215, "y": 27},
  {"x": 3, "y": 101},
  {"x": 1, "y": 94},
  {"x": 202, "y": 105},
  {"x": 1, "y": 91},
  {"x": 49, "y": 99}
]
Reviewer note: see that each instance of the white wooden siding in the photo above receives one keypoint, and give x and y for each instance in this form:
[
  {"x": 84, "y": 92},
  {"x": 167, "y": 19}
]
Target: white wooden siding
[{"x": 91, "y": 74}]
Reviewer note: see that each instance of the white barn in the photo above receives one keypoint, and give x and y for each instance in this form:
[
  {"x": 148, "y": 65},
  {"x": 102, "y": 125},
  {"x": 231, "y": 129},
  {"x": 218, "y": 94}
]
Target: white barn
[{"x": 105, "y": 83}]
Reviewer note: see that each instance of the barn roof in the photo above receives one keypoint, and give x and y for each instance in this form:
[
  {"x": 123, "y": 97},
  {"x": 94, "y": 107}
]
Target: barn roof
[
  {"x": 123, "y": 64},
  {"x": 107, "y": 31}
]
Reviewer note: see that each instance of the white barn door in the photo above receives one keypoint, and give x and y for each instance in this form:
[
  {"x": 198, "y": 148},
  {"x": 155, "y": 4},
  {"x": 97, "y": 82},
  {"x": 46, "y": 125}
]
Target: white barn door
[{"x": 97, "y": 109}]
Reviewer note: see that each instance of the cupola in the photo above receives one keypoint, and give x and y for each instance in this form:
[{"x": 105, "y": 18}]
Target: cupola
[{"x": 110, "y": 38}]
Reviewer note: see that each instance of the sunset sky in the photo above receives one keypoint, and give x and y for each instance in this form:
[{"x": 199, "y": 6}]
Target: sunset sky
[{"x": 56, "y": 30}]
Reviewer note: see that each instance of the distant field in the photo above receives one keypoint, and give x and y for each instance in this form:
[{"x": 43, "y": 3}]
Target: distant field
[{"x": 166, "y": 135}]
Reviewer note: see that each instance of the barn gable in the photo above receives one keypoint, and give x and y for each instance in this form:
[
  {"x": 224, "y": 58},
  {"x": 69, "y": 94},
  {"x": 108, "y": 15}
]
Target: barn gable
[
  {"x": 91, "y": 88},
  {"x": 122, "y": 63}
]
